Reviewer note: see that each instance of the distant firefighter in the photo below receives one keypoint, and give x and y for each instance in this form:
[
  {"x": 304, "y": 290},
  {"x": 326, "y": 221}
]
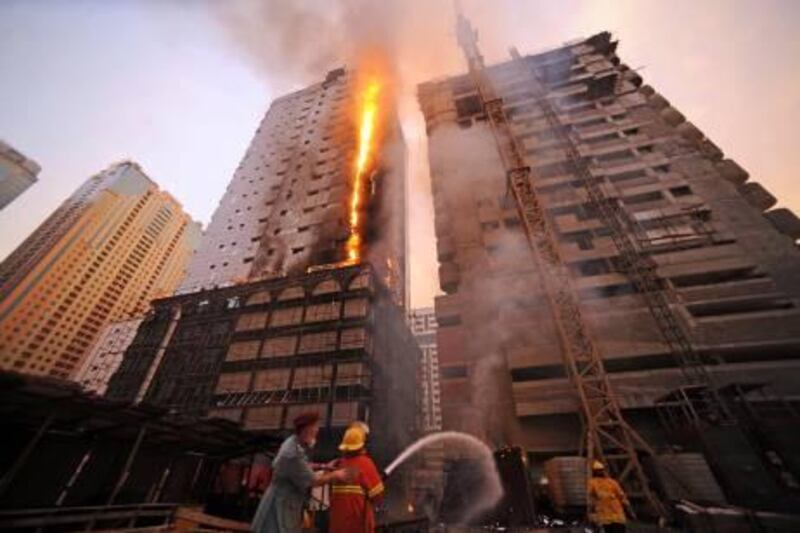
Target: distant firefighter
[
  {"x": 281, "y": 507},
  {"x": 353, "y": 501},
  {"x": 607, "y": 500}
]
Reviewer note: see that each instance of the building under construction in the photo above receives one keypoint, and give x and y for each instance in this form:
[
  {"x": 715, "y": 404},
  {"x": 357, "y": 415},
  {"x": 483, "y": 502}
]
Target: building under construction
[
  {"x": 613, "y": 283},
  {"x": 294, "y": 301}
]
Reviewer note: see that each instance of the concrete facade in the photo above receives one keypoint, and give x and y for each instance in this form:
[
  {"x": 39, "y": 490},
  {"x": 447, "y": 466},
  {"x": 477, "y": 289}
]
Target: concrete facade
[
  {"x": 106, "y": 354},
  {"x": 17, "y": 173},
  {"x": 423, "y": 326},
  {"x": 730, "y": 263},
  {"x": 286, "y": 207},
  {"x": 110, "y": 248}
]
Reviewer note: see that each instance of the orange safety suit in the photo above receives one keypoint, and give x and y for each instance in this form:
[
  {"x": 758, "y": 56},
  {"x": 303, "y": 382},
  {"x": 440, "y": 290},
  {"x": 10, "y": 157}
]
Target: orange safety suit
[
  {"x": 352, "y": 503},
  {"x": 607, "y": 499}
]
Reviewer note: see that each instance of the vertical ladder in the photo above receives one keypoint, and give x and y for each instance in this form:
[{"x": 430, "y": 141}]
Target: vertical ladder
[{"x": 609, "y": 438}]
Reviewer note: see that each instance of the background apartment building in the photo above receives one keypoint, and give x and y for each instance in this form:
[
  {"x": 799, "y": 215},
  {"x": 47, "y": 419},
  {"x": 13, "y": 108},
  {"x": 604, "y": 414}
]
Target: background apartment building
[
  {"x": 423, "y": 327},
  {"x": 728, "y": 259},
  {"x": 110, "y": 248},
  {"x": 17, "y": 173},
  {"x": 106, "y": 354}
]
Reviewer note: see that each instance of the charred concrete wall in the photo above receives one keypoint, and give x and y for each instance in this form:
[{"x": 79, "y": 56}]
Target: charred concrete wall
[{"x": 732, "y": 265}]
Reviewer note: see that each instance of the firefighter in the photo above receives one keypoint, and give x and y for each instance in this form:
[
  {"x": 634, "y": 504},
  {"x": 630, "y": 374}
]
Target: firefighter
[
  {"x": 607, "y": 500},
  {"x": 353, "y": 501}
]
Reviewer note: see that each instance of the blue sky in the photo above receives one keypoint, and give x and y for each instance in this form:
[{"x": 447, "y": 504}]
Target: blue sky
[{"x": 88, "y": 82}]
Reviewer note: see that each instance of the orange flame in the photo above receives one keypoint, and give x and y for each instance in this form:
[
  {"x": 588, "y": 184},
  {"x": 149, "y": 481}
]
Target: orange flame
[{"x": 367, "y": 125}]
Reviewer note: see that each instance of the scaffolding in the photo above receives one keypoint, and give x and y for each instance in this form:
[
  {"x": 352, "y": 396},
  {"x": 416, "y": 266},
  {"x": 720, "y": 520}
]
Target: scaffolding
[{"x": 608, "y": 437}]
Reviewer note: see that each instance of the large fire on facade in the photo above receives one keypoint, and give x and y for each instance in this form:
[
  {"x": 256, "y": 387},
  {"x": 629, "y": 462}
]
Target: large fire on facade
[{"x": 364, "y": 162}]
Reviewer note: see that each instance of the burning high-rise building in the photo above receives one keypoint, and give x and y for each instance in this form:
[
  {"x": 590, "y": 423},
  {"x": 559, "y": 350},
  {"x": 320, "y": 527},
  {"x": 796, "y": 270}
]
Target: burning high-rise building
[
  {"x": 321, "y": 183},
  {"x": 572, "y": 133},
  {"x": 295, "y": 300}
]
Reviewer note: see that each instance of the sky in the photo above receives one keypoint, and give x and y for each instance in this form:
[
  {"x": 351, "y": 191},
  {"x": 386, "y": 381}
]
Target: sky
[{"x": 180, "y": 86}]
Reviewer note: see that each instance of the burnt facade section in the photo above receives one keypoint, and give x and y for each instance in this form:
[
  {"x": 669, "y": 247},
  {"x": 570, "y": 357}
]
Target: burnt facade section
[{"x": 331, "y": 341}]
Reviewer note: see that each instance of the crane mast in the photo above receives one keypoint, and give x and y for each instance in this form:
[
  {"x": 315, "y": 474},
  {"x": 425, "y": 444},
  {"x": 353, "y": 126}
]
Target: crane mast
[{"x": 608, "y": 437}]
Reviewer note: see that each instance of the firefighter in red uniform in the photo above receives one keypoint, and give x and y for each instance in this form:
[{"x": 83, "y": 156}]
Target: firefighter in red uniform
[{"x": 352, "y": 503}]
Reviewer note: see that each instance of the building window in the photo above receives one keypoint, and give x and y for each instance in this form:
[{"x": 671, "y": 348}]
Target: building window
[
  {"x": 681, "y": 191},
  {"x": 272, "y": 379},
  {"x": 643, "y": 198},
  {"x": 353, "y": 338},
  {"x": 593, "y": 267},
  {"x": 233, "y": 382},
  {"x": 322, "y": 312},
  {"x": 624, "y": 176},
  {"x": 307, "y": 377},
  {"x": 260, "y": 297},
  {"x": 286, "y": 317},
  {"x": 351, "y": 374},
  {"x": 326, "y": 287},
  {"x": 251, "y": 321},
  {"x": 292, "y": 293},
  {"x": 239, "y": 351},
  {"x": 468, "y": 106},
  {"x": 356, "y": 307},
  {"x": 615, "y": 157},
  {"x": 279, "y": 346},
  {"x": 317, "y": 342}
]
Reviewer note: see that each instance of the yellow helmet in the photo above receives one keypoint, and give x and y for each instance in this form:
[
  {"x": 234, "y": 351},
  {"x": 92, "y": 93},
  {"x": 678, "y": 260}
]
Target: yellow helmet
[
  {"x": 353, "y": 440},
  {"x": 597, "y": 465},
  {"x": 360, "y": 425}
]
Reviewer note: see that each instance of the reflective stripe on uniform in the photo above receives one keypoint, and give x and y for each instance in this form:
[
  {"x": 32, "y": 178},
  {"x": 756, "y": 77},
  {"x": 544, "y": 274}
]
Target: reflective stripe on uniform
[
  {"x": 347, "y": 489},
  {"x": 377, "y": 489}
]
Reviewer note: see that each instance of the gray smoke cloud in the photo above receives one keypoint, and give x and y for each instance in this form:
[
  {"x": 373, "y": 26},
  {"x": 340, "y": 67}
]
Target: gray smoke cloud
[{"x": 294, "y": 42}]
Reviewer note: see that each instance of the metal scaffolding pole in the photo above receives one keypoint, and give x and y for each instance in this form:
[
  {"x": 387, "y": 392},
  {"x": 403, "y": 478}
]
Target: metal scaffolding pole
[{"x": 126, "y": 470}]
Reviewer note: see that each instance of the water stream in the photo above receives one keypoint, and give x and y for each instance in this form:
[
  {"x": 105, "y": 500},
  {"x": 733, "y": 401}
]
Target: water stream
[{"x": 492, "y": 490}]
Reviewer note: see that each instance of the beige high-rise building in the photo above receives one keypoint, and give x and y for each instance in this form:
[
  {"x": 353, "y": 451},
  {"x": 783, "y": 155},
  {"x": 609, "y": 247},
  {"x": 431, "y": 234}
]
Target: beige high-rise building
[
  {"x": 114, "y": 245},
  {"x": 17, "y": 173}
]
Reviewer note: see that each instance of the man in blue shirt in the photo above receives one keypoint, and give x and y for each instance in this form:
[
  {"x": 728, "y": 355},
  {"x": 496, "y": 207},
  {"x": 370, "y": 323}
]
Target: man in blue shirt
[{"x": 281, "y": 507}]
